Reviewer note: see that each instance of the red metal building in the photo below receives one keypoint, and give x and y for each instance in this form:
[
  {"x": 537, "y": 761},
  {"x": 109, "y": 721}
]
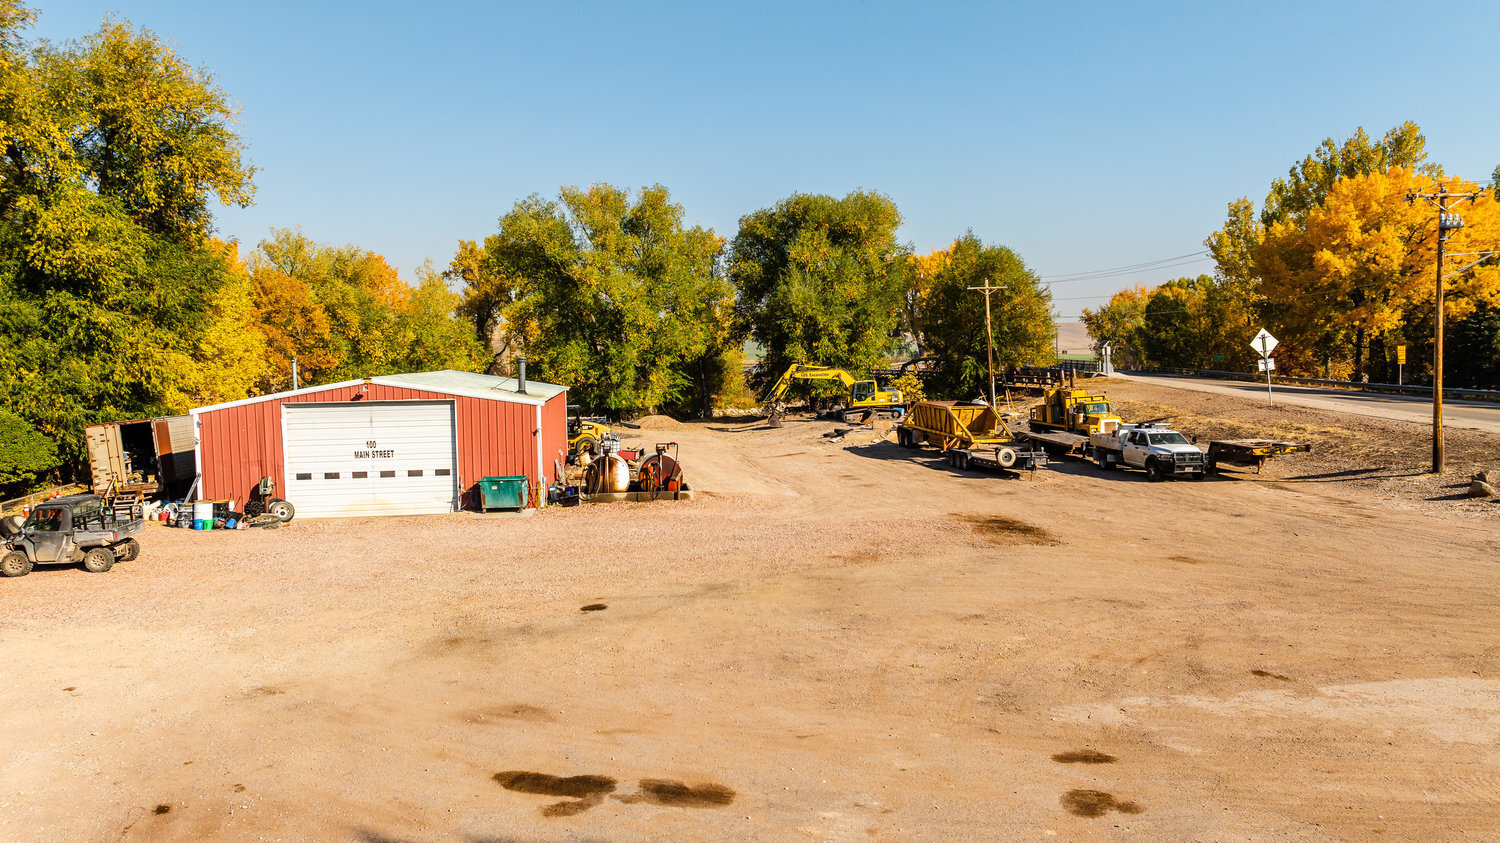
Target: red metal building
[{"x": 395, "y": 444}]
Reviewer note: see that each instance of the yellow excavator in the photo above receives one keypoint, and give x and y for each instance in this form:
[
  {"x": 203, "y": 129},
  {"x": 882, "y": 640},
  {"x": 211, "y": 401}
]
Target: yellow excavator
[{"x": 865, "y": 400}]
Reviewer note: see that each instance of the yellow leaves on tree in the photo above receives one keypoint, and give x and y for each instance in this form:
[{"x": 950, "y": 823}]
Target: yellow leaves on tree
[{"x": 1363, "y": 263}]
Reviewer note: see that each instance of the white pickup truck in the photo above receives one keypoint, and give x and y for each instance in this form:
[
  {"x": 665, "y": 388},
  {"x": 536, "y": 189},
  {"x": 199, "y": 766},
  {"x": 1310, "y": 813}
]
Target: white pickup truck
[{"x": 1161, "y": 451}]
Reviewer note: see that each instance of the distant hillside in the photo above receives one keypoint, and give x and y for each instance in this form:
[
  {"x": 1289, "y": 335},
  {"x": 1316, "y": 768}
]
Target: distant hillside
[{"x": 1073, "y": 338}]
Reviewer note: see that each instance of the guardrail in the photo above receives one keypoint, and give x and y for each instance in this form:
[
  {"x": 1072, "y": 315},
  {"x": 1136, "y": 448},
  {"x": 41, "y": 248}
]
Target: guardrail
[{"x": 1388, "y": 388}]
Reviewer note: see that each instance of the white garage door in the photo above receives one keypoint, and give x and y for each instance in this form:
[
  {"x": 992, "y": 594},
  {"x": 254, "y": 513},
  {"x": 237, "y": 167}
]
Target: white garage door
[{"x": 370, "y": 458}]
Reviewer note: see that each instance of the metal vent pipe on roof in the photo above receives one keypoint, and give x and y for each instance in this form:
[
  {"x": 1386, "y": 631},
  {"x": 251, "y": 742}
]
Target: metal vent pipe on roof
[{"x": 521, "y": 375}]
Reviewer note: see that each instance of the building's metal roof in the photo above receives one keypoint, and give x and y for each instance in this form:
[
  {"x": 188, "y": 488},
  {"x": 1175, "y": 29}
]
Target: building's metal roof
[
  {"x": 469, "y": 384},
  {"x": 473, "y": 383}
]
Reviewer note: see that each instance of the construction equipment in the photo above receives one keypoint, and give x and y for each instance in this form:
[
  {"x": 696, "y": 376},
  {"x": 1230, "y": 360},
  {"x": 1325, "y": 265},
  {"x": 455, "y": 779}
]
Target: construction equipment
[
  {"x": 865, "y": 400},
  {"x": 1067, "y": 417},
  {"x": 967, "y": 433},
  {"x": 585, "y": 433},
  {"x": 1250, "y": 451}
]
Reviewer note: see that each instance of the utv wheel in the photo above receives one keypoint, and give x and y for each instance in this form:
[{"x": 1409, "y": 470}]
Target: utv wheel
[
  {"x": 98, "y": 560},
  {"x": 15, "y": 564},
  {"x": 1154, "y": 472},
  {"x": 281, "y": 509},
  {"x": 127, "y": 551}
]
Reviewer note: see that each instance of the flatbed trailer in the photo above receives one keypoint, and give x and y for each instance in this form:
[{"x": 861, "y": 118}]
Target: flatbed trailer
[
  {"x": 1004, "y": 457},
  {"x": 1057, "y": 442},
  {"x": 1250, "y": 451}
]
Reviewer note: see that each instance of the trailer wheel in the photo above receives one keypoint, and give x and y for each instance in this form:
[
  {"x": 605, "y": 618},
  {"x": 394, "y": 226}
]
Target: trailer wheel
[
  {"x": 98, "y": 560},
  {"x": 1006, "y": 457},
  {"x": 960, "y": 460},
  {"x": 281, "y": 509},
  {"x": 15, "y": 564},
  {"x": 1154, "y": 472},
  {"x": 127, "y": 551}
]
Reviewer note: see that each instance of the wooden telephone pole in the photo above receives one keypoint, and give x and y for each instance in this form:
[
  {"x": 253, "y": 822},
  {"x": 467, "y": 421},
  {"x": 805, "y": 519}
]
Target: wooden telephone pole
[
  {"x": 1448, "y": 222},
  {"x": 989, "y": 332}
]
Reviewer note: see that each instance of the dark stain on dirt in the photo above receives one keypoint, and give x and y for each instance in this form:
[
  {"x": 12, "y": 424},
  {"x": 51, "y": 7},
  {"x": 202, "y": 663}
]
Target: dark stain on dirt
[
  {"x": 263, "y": 691},
  {"x": 1000, "y": 529},
  {"x": 584, "y": 791},
  {"x": 1084, "y": 756},
  {"x": 593, "y": 607},
  {"x": 163, "y": 809},
  {"x": 1266, "y": 674},
  {"x": 1187, "y": 560},
  {"x": 674, "y": 794},
  {"x": 517, "y": 711},
  {"x": 70, "y": 689},
  {"x": 1096, "y": 803},
  {"x": 239, "y": 788}
]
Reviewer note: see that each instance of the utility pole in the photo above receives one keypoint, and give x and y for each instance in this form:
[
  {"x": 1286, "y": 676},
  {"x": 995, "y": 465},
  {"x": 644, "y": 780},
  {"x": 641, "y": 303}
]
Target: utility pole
[
  {"x": 1448, "y": 222},
  {"x": 989, "y": 332}
]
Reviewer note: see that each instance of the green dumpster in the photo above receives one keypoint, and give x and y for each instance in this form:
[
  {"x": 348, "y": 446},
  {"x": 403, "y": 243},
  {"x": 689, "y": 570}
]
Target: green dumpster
[{"x": 502, "y": 493}]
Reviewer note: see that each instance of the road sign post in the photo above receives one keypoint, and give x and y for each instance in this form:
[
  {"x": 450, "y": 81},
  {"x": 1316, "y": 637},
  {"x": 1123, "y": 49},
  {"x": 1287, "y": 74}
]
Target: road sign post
[
  {"x": 1400, "y": 365},
  {"x": 1264, "y": 343}
]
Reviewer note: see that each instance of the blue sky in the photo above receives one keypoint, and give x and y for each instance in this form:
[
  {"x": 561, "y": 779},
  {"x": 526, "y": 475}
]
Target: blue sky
[{"x": 1083, "y": 135}]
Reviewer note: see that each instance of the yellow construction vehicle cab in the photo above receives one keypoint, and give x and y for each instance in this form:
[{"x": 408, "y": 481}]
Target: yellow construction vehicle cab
[
  {"x": 1074, "y": 411},
  {"x": 865, "y": 399},
  {"x": 585, "y": 434}
]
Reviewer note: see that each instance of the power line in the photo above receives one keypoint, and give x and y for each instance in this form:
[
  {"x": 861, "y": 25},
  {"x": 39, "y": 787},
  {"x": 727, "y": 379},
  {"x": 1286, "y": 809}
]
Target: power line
[{"x": 1128, "y": 269}]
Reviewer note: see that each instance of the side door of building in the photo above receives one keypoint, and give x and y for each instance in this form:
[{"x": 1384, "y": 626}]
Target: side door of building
[{"x": 50, "y": 532}]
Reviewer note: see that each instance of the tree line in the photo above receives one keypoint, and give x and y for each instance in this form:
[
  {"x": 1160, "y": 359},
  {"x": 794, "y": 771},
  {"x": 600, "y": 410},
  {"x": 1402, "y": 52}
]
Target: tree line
[
  {"x": 117, "y": 300},
  {"x": 1339, "y": 266}
]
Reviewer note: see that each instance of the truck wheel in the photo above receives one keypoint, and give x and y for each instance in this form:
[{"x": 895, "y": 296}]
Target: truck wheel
[
  {"x": 1154, "y": 472},
  {"x": 127, "y": 551},
  {"x": 15, "y": 564},
  {"x": 98, "y": 560},
  {"x": 281, "y": 509},
  {"x": 1103, "y": 460}
]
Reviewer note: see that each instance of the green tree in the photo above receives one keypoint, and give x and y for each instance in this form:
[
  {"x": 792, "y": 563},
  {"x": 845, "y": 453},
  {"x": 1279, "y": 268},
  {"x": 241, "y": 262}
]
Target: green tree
[
  {"x": 608, "y": 293},
  {"x": 821, "y": 280},
  {"x": 951, "y": 316},
  {"x": 25, "y": 454},
  {"x": 1121, "y": 323},
  {"x": 111, "y": 292}
]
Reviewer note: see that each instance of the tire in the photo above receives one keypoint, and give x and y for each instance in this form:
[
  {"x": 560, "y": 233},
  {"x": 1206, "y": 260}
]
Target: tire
[
  {"x": 962, "y": 458},
  {"x": 903, "y": 437},
  {"x": 1102, "y": 460},
  {"x": 98, "y": 560},
  {"x": 1154, "y": 472},
  {"x": 281, "y": 509},
  {"x": 15, "y": 564},
  {"x": 127, "y": 551},
  {"x": 587, "y": 443},
  {"x": 1006, "y": 457},
  {"x": 11, "y": 525}
]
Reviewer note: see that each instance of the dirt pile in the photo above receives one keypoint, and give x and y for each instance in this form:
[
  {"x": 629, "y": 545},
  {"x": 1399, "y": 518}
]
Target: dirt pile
[{"x": 658, "y": 423}]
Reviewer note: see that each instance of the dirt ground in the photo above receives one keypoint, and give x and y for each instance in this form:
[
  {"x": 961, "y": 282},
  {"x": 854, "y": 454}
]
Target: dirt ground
[{"x": 836, "y": 641}]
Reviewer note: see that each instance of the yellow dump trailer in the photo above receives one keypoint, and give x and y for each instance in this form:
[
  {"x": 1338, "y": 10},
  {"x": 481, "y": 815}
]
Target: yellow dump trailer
[{"x": 970, "y": 435}]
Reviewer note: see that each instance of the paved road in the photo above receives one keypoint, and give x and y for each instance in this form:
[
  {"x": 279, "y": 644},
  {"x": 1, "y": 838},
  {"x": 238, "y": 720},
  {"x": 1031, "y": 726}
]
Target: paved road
[{"x": 1475, "y": 415}]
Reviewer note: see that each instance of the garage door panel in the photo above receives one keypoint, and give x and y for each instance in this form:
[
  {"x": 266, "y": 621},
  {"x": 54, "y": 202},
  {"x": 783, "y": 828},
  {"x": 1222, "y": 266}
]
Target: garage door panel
[{"x": 377, "y": 458}]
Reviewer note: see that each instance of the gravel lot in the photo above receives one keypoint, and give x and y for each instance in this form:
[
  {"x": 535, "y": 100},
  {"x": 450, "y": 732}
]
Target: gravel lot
[{"x": 835, "y": 641}]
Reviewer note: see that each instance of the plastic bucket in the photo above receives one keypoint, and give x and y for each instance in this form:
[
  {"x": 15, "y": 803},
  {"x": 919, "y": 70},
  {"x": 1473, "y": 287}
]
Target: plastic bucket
[
  {"x": 203, "y": 510},
  {"x": 229, "y": 524},
  {"x": 197, "y": 523}
]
